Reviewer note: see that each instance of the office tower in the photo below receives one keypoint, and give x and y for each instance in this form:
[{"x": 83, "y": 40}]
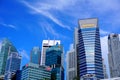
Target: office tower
[
  {"x": 71, "y": 65},
  {"x": 13, "y": 64},
  {"x": 76, "y": 50},
  {"x": 35, "y": 55},
  {"x": 114, "y": 55},
  {"x": 45, "y": 45},
  {"x": 54, "y": 60},
  {"x": 6, "y": 48},
  {"x": 89, "y": 50},
  {"x": 33, "y": 71},
  {"x": 104, "y": 70}
]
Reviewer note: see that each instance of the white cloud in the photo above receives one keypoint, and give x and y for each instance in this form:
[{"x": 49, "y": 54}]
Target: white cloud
[
  {"x": 104, "y": 5},
  {"x": 24, "y": 54},
  {"x": 8, "y": 25},
  {"x": 49, "y": 29},
  {"x": 46, "y": 13}
]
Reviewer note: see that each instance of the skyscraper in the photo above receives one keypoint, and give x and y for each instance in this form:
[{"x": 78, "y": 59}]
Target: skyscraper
[
  {"x": 76, "y": 50},
  {"x": 104, "y": 70},
  {"x": 89, "y": 49},
  {"x": 6, "y": 49},
  {"x": 54, "y": 60},
  {"x": 13, "y": 64},
  {"x": 114, "y": 55},
  {"x": 45, "y": 45},
  {"x": 71, "y": 64},
  {"x": 35, "y": 56}
]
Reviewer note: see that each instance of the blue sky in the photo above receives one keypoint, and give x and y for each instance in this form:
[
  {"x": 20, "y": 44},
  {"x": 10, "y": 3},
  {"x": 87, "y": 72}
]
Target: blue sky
[{"x": 27, "y": 22}]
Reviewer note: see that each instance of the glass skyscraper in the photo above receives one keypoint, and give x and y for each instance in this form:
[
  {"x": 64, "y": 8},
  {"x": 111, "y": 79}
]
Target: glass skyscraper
[
  {"x": 35, "y": 55},
  {"x": 13, "y": 64},
  {"x": 6, "y": 49},
  {"x": 89, "y": 49},
  {"x": 54, "y": 60},
  {"x": 45, "y": 45}
]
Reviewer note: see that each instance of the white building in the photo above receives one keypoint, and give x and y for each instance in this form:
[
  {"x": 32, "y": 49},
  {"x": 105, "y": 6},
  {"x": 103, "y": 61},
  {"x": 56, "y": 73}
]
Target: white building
[
  {"x": 114, "y": 55},
  {"x": 45, "y": 45},
  {"x": 71, "y": 66}
]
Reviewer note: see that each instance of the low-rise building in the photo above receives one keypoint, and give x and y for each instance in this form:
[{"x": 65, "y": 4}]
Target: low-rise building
[{"x": 33, "y": 71}]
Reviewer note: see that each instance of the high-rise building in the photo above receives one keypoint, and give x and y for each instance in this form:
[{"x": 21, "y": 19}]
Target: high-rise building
[
  {"x": 114, "y": 55},
  {"x": 13, "y": 64},
  {"x": 76, "y": 50},
  {"x": 35, "y": 56},
  {"x": 71, "y": 66},
  {"x": 45, "y": 45},
  {"x": 54, "y": 60},
  {"x": 89, "y": 49},
  {"x": 6, "y": 49},
  {"x": 33, "y": 71},
  {"x": 105, "y": 70}
]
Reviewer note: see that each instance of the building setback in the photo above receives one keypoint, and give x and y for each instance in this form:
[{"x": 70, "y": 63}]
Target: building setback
[
  {"x": 33, "y": 71},
  {"x": 114, "y": 55},
  {"x": 89, "y": 49}
]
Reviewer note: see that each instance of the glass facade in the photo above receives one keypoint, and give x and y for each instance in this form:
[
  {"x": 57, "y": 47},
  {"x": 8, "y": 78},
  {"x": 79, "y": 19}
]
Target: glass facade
[
  {"x": 35, "y": 55},
  {"x": 54, "y": 60},
  {"x": 13, "y": 64},
  {"x": 6, "y": 48},
  {"x": 45, "y": 45},
  {"x": 89, "y": 49},
  {"x": 33, "y": 71}
]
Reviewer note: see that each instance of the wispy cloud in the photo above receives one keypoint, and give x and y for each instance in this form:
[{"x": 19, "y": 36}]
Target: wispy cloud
[
  {"x": 49, "y": 29},
  {"x": 46, "y": 13},
  {"x": 102, "y": 32},
  {"x": 8, "y": 25},
  {"x": 24, "y": 54}
]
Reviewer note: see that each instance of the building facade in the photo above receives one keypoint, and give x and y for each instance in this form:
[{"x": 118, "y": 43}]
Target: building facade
[
  {"x": 71, "y": 66},
  {"x": 35, "y": 55},
  {"x": 45, "y": 45},
  {"x": 33, "y": 71},
  {"x": 89, "y": 49},
  {"x": 54, "y": 60},
  {"x": 114, "y": 55},
  {"x": 6, "y": 49},
  {"x": 76, "y": 50},
  {"x": 105, "y": 70},
  {"x": 13, "y": 64}
]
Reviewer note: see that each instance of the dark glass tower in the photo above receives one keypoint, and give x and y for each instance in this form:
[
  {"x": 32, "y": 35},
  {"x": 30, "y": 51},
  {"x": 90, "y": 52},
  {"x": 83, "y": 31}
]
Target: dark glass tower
[
  {"x": 89, "y": 49},
  {"x": 6, "y": 49},
  {"x": 35, "y": 55},
  {"x": 54, "y": 60},
  {"x": 13, "y": 64}
]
